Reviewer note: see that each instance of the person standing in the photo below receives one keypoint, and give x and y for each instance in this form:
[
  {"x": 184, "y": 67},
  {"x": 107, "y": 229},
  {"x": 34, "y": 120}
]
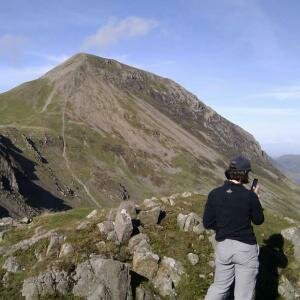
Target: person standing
[{"x": 229, "y": 211}]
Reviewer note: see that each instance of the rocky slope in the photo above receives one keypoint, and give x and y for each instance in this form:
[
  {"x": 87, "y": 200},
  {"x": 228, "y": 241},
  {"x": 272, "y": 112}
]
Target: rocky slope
[
  {"x": 157, "y": 249},
  {"x": 290, "y": 166},
  {"x": 94, "y": 131}
]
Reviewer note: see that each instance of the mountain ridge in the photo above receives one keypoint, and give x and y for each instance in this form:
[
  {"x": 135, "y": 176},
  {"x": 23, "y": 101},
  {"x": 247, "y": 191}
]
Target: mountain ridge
[{"x": 107, "y": 129}]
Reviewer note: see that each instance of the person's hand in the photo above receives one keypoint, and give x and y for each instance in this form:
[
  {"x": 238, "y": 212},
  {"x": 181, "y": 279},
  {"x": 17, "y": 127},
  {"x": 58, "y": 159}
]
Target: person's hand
[{"x": 256, "y": 190}]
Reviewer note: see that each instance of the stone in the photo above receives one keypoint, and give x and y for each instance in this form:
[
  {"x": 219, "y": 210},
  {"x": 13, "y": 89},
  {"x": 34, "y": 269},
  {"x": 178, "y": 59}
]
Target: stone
[
  {"x": 99, "y": 278},
  {"x": 213, "y": 241},
  {"x": 100, "y": 244},
  {"x": 193, "y": 258},
  {"x": 123, "y": 226},
  {"x": 186, "y": 194},
  {"x": 47, "y": 283},
  {"x": 83, "y": 225},
  {"x": 181, "y": 218},
  {"x": 25, "y": 244},
  {"x": 150, "y": 203},
  {"x": 2, "y": 234},
  {"x": 202, "y": 276},
  {"x": 39, "y": 255},
  {"x": 198, "y": 229},
  {"x": 112, "y": 236},
  {"x": 174, "y": 196},
  {"x": 129, "y": 206},
  {"x": 5, "y": 279},
  {"x": 25, "y": 220},
  {"x": 142, "y": 294},
  {"x": 92, "y": 214},
  {"x": 145, "y": 263},
  {"x": 293, "y": 234},
  {"x": 106, "y": 227},
  {"x": 165, "y": 200},
  {"x": 55, "y": 243},
  {"x": 211, "y": 263},
  {"x": 151, "y": 216},
  {"x": 66, "y": 249},
  {"x": 168, "y": 276},
  {"x": 191, "y": 221},
  {"x": 287, "y": 290},
  {"x": 6, "y": 221},
  {"x": 138, "y": 241},
  {"x": 12, "y": 265},
  {"x": 111, "y": 216}
]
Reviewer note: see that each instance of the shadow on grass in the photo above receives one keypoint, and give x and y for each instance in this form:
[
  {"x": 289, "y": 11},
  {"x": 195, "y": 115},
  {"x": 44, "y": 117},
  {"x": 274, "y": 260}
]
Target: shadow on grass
[{"x": 271, "y": 257}]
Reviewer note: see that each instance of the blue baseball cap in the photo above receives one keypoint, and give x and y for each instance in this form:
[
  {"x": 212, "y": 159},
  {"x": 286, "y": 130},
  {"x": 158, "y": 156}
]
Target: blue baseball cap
[{"x": 240, "y": 163}]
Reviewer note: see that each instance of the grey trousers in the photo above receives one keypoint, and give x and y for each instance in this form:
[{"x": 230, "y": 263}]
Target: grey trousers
[{"x": 234, "y": 261}]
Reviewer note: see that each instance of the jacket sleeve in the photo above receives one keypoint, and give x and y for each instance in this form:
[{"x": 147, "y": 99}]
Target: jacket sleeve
[
  {"x": 209, "y": 216},
  {"x": 257, "y": 215}
]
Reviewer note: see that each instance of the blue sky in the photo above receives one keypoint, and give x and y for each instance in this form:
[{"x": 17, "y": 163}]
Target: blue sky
[{"x": 241, "y": 57}]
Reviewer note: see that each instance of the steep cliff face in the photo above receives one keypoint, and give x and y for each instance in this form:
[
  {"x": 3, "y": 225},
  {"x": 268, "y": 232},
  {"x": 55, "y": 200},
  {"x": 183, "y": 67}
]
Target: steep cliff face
[
  {"x": 98, "y": 131},
  {"x": 12, "y": 202}
]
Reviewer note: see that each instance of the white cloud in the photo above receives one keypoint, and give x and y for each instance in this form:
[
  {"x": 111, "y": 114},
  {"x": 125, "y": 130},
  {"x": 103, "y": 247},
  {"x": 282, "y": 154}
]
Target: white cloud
[
  {"x": 115, "y": 31},
  {"x": 12, "y": 46}
]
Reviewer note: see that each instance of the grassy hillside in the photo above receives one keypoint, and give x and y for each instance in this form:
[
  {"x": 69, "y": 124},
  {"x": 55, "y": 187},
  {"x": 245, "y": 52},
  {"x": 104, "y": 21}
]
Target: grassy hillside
[{"x": 290, "y": 165}]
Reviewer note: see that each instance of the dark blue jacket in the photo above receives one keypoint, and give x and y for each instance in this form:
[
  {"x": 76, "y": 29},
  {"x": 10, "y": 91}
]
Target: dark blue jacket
[{"x": 229, "y": 211}]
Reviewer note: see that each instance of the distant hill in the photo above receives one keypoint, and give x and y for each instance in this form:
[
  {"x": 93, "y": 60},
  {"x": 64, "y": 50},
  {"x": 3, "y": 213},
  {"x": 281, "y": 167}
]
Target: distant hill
[
  {"x": 93, "y": 131},
  {"x": 290, "y": 165}
]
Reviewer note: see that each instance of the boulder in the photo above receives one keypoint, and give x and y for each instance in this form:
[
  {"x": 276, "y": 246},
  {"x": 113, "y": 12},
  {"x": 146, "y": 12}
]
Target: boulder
[
  {"x": 292, "y": 234},
  {"x": 145, "y": 262},
  {"x": 193, "y": 258},
  {"x": 129, "y": 206},
  {"x": 123, "y": 226},
  {"x": 138, "y": 241},
  {"x": 46, "y": 284},
  {"x": 112, "y": 236},
  {"x": 111, "y": 216},
  {"x": 150, "y": 203},
  {"x": 106, "y": 227},
  {"x": 151, "y": 216},
  {"x": 92, "y": 214},
  {"x": 83, "y": 225},
  {"x": 12, "y": 265},
  {"x": 168, "y": 276},
  {"x": 99, "y": 278},
  {"x": 143, "y": 294},
  {"x": 66, "y": 249},
  {"x": 55, "y": 243}
]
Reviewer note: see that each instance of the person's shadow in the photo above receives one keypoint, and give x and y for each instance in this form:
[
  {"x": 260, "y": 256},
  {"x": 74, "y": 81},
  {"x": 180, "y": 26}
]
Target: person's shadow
[{"x": 271, "y": 257}]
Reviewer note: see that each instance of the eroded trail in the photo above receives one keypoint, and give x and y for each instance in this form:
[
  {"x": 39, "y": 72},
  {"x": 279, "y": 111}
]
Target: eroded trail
[{"x": 65, "y": 156}]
